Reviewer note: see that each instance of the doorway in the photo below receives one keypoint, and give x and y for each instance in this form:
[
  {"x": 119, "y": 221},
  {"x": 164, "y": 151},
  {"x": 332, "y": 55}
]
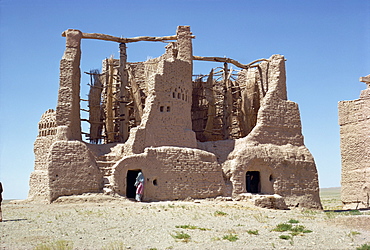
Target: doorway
[
  {"x": 130, "y": 181},
  {"x": 253, "y": 183}
]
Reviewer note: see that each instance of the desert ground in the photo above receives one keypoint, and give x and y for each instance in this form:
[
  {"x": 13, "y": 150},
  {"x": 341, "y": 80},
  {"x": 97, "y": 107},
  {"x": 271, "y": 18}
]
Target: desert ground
[{"x": 101, "y": 222}]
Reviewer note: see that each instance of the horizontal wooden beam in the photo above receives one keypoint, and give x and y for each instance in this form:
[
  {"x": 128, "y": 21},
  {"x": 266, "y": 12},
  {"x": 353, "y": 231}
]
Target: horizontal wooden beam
[
  {"x": 104, "y": 37},
  {"x": 228, "y": 60}
]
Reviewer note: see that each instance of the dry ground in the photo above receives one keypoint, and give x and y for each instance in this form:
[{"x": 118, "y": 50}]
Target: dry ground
[{"x": 83, "y": 223}]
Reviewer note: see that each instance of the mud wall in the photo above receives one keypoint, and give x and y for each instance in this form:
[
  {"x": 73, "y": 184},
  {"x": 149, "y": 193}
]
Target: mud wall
[{"x": 172, "y": 173}]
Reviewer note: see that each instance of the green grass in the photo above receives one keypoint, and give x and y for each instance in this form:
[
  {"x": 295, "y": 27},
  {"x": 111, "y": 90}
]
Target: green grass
[
  {"x": 282, "y": 227},
  {"x": 254, "y": 232},
  {"x": 219, "y": 213},
  {"x": 300, "y": 229},
  {"x": 292, "y": 221},
  {"x": 285, "y": 237},
  {"x": 364, "y": 247},
  {"x": 192, "y": 227},
  {"x": 353, "y": 212},
  {"x": 181, "y": 236},
  {"x": 230, "y": 237},
  {"x": 294, "y": 230}
]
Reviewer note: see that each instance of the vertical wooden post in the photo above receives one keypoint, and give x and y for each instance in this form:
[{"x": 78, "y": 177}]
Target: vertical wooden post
[
  {"x": 124, "y": 95},
  {"x": 227, "y": 104},
  {"x": 211, "y": 113},
  {"x": 109, "y": 106}
]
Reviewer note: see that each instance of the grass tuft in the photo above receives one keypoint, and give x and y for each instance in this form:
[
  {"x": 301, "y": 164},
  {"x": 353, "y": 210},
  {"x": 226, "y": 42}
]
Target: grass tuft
[
  {"x": 219, "y": 213},
  {"x": 282, "y": 227},
  {"x": 192, "y": 227},
  {"x": 285, "y": 237},
  {"x": 181, "y": 236},
  {"x": 57, "y": 245},
  {"x": 364, "y": 247},
  {"x": 117, "y": 245},
  {"x": 293, "y": 221},
  {"x": 230, "y": 237},
  {"x": 254, "y": 232}
]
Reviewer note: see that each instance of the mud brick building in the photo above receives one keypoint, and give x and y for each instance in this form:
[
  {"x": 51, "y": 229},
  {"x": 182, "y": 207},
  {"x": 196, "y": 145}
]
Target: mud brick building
[{"x": 225, "y": 133}]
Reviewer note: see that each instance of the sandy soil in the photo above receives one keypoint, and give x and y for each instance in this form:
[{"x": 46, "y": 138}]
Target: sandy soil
[{"x": 87, "y": 222}]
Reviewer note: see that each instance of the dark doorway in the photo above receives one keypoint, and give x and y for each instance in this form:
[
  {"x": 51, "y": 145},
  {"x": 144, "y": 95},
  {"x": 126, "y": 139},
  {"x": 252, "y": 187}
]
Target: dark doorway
[
  {"x": 253, "y": 182},
  {"x": 130, "y": 181}
]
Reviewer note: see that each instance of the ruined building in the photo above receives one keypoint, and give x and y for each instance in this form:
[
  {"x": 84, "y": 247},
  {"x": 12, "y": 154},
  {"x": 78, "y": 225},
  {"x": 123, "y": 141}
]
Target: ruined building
[
  {"x": 354, "y": 121},
  {"x": 225, "y": 133}
]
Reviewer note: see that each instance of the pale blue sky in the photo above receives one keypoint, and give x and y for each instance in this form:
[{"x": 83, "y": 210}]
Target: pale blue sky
[{"x": 326, "y": 43}]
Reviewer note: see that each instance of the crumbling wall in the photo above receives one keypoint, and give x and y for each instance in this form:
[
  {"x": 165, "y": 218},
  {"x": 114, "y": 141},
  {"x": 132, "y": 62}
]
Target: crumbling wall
[
  {"x": 39, "y": 182},
  {"x": 68, "y": 108},
  {"x": 72, "y": 170},
  {"x": 172, "y": 173},
  {"x": 354, "y": 121},
  {"x": 275, "y": 148},
  {"x": 166, "y": 119}
]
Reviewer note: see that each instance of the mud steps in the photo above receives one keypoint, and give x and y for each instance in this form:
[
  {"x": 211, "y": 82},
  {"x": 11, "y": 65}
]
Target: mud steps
[{"x": 105, "y": 163}]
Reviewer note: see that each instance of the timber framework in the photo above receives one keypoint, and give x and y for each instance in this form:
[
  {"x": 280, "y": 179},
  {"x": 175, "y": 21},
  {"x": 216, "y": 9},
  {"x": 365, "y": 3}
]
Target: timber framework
[{"x": 230, "y": 132}]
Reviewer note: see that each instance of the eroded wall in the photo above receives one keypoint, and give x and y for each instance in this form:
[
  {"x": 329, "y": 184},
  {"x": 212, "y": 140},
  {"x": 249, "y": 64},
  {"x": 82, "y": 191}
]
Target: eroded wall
[
  {"x": 166, "y": 119},
  {"x": 39, "y": 181},
  {"x": 354, "y": 121},
  {"x": 275, "y": 148}
]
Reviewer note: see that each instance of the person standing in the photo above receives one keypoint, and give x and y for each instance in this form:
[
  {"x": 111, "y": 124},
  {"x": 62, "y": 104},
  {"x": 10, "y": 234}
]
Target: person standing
[
  {"x": 1, "y": 200},
  {"x": 139, "y": 184}
]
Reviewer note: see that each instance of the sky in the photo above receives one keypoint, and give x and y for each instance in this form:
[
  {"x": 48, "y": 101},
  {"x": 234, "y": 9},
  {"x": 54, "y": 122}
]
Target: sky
[{"x": 326, "y": 44}]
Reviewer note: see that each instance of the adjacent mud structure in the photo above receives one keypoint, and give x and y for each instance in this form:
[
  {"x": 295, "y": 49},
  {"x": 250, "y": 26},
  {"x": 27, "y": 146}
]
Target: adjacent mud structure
[
  {"x": 226, "y": 133},
  {"x": 354, "y": 121}
]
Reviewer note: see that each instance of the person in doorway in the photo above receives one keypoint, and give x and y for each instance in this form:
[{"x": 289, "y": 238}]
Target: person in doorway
[
  {"x": 1, "y": 200},
  {"x": 139, "y": 184}
]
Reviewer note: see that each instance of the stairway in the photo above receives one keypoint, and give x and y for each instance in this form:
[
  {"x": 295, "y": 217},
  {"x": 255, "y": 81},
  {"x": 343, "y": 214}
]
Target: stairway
[{"x": 105, "y": 164}]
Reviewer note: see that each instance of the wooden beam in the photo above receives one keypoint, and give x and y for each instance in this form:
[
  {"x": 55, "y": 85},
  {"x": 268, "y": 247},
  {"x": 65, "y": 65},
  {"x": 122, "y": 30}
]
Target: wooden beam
[
  {"x": 228, "y": 60},
  {"x": 105, "y": 37}
]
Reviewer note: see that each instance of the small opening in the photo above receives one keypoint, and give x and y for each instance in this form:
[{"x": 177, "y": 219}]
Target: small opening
[
  {"x": 173, "y": 95},
  {"x": 168, "y": 108},
  {"x": 161, "y": 108},
  {"x": 178, "y": 95},
  {"x": 155, "y": 182},
  {"x": 130, "y": 183},
  {"x": 253, "y": 184},
  {"x": 270, "y": 178}
]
